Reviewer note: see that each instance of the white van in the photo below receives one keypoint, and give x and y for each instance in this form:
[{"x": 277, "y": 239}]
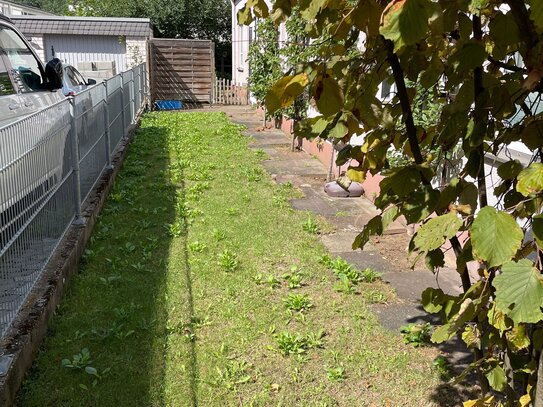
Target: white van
[
  {"x": 30, "y": 166},
  {"x": 26, "y": 85}
]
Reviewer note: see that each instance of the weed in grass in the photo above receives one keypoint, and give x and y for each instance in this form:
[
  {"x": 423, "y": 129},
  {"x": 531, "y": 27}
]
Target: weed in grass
[
  {"x": 294, "y": 277},
  {"x": 417, "y": 334},
  {"x": 290, "y": 344},
  {"x": 297, "y": 302},
  {"x": 234, "y": 374},
  {"x": 121, "y": 313},
  {"x": 233, "y": 211},
  {"x": 253, "y": 174},
  {"x": 344, "y": 285},
  {"x": 443, "y": 367},
  {"x": 197, "y": 247},
  {"x": 110, "y": 280},
  {"x": 175, "y": 229},
  {"x": 335, "y": 374},
  {"x": 270, "y": 280},
  {"x": 311, "y": 226},
  {"x": 369, "y": 275},
  {"x": 376, "y": 296},
  {"x": 128, "y": 248},
  {"x": 79, "y": 361},
  {"x": 228, "y": 261},
  {"x": 279, "y": 201},
  {"x": 219, "y": 235},
  {"x": 139, "y": 267},
  {"x": 261, "y": 154},
  {"x": 295, "y": 344}
]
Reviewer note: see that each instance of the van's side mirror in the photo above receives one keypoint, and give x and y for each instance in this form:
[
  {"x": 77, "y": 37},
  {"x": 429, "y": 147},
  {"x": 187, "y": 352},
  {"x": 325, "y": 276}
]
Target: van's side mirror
[
  {"x": 91, "y": 82},
  {"x": 54, "y": 73}
]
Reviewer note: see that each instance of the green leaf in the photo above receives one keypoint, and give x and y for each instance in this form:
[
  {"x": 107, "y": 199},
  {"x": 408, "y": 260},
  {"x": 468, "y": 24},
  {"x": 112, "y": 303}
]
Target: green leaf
[
  {"x": 442, "y": 334},
  {"x": 537, "y": 230},
  {"x": 510, "y": 169},
  {"x": 536, "y": 14},
  {"x": 405, "y": 22},
  {"x": 434, "y": 232},
  {"x": 435, "y": 259},
  {"x": 373, "y": 227},
  {"x": 519, "y": 292},
  {"x": 496, "y": 378},
  {"x": 285, "y": 91},
  {"x": 328, "y": 96},
  {"x": 432, "y": 300},
  {"x": 376, "y": 226},
  {"x": 495, "y": 236},
  {"x": 530, "y": 180},
  {"x": 91, "y": 370}
]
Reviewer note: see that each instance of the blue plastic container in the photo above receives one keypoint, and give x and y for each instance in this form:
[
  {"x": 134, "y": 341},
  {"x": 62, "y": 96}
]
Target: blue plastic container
[{"x": 168, "y": 105}]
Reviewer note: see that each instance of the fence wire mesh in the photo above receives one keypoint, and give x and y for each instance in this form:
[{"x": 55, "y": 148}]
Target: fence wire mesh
[{"x": 49, "y": 163}]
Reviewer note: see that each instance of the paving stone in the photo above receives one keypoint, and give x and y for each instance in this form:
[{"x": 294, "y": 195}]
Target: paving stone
[
  {"x": 313, "y": 205},
  {"x": 341, "y": 242},
  {"x": 307, "y": 167},
  {"x": 363, "y": 259}
]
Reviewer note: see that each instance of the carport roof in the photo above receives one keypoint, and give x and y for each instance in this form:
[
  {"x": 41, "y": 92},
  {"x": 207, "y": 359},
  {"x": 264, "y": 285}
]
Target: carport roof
[{"x": 117, "y": 26}]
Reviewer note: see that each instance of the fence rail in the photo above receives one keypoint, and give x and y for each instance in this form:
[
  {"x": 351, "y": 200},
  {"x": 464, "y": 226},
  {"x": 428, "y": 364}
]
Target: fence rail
[
  {"x": 227, "y": 93},
  {"x": 49, "y": 164}
]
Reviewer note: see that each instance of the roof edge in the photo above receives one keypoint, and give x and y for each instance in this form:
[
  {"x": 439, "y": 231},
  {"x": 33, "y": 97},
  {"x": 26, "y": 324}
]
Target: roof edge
[{"x": 78, "y": 18}]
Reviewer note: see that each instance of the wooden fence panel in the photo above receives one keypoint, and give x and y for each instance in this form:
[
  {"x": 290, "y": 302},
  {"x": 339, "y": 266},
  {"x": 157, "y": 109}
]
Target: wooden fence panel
[
  {"x": 227, "y": 93},
  {"x": 182, "y": 70}
]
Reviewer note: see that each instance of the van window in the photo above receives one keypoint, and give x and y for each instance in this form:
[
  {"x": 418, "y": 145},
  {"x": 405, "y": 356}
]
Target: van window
[
  {"x": 6, "y": 87},
  {"x": 25, "y": 68}
]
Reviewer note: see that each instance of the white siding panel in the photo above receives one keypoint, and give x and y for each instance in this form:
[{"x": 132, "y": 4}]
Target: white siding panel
[{"x": 86, "y": 48}]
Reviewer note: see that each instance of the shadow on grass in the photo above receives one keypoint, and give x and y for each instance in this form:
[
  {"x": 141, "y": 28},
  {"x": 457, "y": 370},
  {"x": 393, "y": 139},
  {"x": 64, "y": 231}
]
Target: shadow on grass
[
  {"x": 458, "y": 357},
  {"x": 116, "y": 306}
]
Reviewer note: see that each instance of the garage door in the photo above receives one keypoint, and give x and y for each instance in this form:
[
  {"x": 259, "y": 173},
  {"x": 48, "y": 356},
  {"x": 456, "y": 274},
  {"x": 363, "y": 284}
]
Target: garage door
[{"x": 86, "y": 48}]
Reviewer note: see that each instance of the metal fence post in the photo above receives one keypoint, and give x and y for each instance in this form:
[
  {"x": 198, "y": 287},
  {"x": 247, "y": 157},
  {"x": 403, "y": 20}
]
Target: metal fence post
[
  {"x": 132, "y": 97},
  {"x": 142, "y": 86},
  {"x": 75, "y": 163},
  {"x": 123, "y": 105},
  {"x": 106, "y": 121}
]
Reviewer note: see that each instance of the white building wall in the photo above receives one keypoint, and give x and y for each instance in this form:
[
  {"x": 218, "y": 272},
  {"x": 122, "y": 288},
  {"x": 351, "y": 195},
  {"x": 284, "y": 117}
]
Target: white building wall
[
  {"x": 136, "y": 51},
  {"x": 12, "y": 9}
]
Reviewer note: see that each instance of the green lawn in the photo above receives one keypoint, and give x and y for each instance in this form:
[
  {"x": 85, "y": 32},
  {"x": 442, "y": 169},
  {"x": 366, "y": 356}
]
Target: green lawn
[{"x": 202, "y": 287}]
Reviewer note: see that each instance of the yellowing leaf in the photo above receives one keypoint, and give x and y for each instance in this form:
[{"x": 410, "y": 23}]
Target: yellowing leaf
[
  {"x": 495, "y": 236},
  {"x": 519, "y": 292},
  {"x": 530, "y": 180},
  {"x": 517, "y": 338},
  {"x": 285, "y": 91},
  {"x": 486, "y": 402},
  {"x": 405, "y": 22},
  {"x": 245, "y": 16}
]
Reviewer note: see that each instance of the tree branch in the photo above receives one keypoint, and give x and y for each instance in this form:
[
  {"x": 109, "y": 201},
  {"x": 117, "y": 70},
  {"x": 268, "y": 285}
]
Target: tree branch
[
  {"x": 411, "y": 130},
  {"x": 503, "y": 65}
]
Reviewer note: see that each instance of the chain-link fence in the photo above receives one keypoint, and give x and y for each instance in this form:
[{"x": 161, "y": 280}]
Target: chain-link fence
[{"x": 49, "y": 163}]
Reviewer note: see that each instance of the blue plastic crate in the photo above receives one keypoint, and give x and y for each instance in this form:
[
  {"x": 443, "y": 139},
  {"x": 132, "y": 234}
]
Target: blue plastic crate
[{"x": 168, "y": 105}]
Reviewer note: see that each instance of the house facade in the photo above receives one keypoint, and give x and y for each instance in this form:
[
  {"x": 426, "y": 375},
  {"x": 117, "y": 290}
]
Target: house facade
[{"x": 10, "y": 9}]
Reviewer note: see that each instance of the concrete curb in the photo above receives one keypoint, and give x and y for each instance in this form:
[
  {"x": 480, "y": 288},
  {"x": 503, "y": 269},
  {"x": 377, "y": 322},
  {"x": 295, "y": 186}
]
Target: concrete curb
[{"x": 23, "y": 339}]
